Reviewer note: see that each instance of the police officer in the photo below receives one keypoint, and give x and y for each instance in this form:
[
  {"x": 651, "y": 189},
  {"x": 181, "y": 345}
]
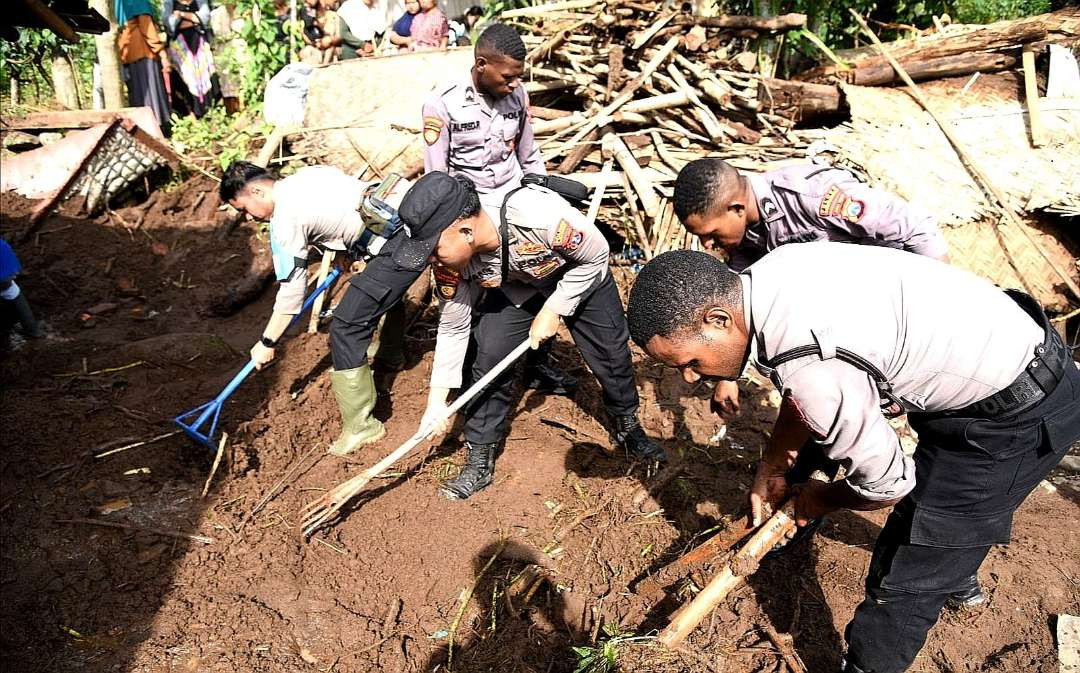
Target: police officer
[
  {"x": 323, "y": 207},
  {"x": 847, "y": 332},
  {"x": 478, "y": 126},
  {"x": 746, "y": 216},
  {"x": 556, "y": 270}
]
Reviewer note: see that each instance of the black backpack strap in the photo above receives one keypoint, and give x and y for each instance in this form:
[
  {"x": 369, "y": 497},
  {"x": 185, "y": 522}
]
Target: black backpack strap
[
  {"x": 504, "y": 233},
  {"x": 890, "y": 404}
]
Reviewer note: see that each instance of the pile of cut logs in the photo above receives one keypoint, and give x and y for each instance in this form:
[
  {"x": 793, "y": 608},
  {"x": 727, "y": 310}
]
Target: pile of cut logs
[{"x": 626, "y": 93}]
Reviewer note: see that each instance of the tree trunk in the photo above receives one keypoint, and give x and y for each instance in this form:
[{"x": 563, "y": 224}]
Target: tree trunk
[
  {"x": 63, "y": 81},
  {"x": 109, "y": 58}
]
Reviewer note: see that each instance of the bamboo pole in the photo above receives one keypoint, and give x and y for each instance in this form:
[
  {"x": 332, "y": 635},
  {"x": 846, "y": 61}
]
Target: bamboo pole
[
  {"x": 540, "y": 10},
  {"x": 1031, "y": 95},
  {"x": 965, "y": 157}
]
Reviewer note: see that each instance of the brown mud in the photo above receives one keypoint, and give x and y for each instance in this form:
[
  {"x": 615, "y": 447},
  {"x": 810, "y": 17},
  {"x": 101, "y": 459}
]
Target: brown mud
[{"x": 380, "y": 590}]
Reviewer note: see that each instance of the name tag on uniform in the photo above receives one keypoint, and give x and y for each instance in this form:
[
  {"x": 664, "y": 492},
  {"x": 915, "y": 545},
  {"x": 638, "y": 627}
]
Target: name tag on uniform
[{"x": 458, "y": 127}]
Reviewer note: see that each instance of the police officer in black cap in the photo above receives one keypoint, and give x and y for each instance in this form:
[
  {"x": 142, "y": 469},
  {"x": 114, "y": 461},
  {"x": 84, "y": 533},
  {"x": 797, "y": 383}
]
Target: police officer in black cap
[{"x": 506, "y": 270}]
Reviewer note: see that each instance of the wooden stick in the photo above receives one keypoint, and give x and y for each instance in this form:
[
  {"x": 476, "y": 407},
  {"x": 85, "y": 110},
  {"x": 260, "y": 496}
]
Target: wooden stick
[
  {"x": 972, "y": 166},
  {"x": 289, "y": 474},
  {"x": 1031, "y": 95},
  {"x": 316, "y": 308},
  {"x": 138, "y": 529},
  {"x": 466, "y": 596},
  {"x": 644, "y": 188},
  {"x": 273, "y": 142},
  {"x": 643, "y": 38},
  {"x": 779, "y": 525},
  {"x": 783, "y": 643},
  {"x": 217, "y": 461},
  {"x": 137, "y": 444}
]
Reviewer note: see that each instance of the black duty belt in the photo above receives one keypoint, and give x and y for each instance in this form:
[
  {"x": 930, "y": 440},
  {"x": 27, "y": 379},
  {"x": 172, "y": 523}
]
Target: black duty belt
[{"x": 1039, "y": 377}]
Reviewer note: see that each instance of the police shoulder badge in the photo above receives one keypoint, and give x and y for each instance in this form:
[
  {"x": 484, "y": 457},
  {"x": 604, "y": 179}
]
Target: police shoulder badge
[
  {"x": 566, "y": 237},
  {"x": 836, "y": 203},
  {"x": 432, "y": 129},
  {"x": 446, "y": 281}
]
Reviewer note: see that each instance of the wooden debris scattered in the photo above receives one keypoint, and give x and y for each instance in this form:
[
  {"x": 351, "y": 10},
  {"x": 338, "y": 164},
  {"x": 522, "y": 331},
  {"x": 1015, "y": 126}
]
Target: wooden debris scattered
[
  {"x": 217, "y": 461},
  {"x": 466, "y": 596},
  {"x": 137, "y": 444}
]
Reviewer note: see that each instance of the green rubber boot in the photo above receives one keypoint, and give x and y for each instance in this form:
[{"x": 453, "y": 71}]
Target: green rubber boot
[{"x": 355, "y": 393}]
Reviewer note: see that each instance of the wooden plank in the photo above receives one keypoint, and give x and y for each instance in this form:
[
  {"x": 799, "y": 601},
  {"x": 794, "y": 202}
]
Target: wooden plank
[{"x": 67, "y": 119}]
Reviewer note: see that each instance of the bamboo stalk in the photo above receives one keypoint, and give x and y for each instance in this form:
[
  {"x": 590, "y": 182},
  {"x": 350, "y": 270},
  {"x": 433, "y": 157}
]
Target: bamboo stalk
[{"x": 540, "y": 10}]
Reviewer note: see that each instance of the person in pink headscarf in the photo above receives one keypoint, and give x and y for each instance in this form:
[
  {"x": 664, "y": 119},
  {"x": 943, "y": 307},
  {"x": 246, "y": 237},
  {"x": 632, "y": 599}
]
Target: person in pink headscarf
[{"x": 430, "y": 29}]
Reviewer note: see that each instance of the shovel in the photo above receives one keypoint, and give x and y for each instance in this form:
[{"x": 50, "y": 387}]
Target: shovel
[
  {"x": 212, "y": 409},
  {"x": 322, "y": 510}
]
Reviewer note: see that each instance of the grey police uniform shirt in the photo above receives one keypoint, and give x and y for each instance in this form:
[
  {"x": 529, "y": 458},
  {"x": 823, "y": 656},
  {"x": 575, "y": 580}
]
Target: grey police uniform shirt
[
  {"x": 316, "y": 206},
  {"x": 803, "y": 203},
  {"x": 492, "y": 144},
  {"x": 943, "y": 337},
  {"x": 554, "y": 251}
]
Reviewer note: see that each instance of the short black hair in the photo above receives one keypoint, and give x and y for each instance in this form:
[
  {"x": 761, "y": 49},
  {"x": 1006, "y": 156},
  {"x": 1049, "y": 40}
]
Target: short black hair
[
  {"x": 501, "y": 39},
  {"x": 672, "y": 291},
  {"x": 472, "y": 198},
  {"x": 702, "y": 184},
  {"x": 475, "y": 10},
  {"x": 237, "y": 176}
]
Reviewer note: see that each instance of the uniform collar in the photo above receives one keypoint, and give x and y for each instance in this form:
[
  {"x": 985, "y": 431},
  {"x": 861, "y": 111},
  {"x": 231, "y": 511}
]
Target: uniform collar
[
  {"x": 756, "y": 235},
  {"x": 748, "y": 318}
]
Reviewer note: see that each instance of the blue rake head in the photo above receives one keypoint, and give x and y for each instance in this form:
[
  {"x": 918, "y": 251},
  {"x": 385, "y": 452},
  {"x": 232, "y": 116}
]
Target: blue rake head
[{"x": 212, "y": 410}]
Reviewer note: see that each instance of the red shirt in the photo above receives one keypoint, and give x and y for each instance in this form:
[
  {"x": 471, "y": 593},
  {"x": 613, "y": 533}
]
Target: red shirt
[{"x": 429, "y": 29}]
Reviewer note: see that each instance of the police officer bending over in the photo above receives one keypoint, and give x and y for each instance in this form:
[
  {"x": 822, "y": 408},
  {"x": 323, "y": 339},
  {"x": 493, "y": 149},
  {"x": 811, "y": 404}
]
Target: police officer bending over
[
  {"x": 746, "y": 216},
  {"x": 478, "y": 125},
  {"x": 557, "y": 270},
  {"x": 986, "y": 382},
  {"x": 323, "y": 207}
]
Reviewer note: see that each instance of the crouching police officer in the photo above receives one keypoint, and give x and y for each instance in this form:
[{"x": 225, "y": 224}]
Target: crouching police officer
[
  {"x": 546, "y": 265},
  {"x": 985, "y": 380},
  {"x": 322, "y": 207}
]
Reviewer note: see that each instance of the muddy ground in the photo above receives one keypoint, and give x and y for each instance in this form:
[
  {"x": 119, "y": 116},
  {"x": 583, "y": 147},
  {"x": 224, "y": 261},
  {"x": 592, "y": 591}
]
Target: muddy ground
[{"x": 138, "y": 333}]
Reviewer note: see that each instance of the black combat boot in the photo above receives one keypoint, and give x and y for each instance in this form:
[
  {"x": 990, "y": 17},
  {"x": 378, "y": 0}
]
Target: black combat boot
[
  {"x": 969, "y": 597},
  {"x": 629, "y": 436},
  {"x": 478, "y": 472}
]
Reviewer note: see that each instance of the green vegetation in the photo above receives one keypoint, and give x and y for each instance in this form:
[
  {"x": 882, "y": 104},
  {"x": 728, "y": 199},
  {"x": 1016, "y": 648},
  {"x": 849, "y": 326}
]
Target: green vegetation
[
  {"x": 219, "y": 137},
  {"x": 603, "y": 657},
  {"x": 27, "y": 62}
]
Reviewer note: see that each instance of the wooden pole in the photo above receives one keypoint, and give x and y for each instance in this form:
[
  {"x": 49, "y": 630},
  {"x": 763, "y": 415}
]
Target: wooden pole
[
  {"x": 650, "y": 203},
  {"x": 52, "y": 20},
  {"x": 112, "y": 84},
  {"x": 967, "y": 160},
  {"x": 316, "y": 308},
  {"x": 780, "y": 525},
  {"x": 1031, "y": 95}
]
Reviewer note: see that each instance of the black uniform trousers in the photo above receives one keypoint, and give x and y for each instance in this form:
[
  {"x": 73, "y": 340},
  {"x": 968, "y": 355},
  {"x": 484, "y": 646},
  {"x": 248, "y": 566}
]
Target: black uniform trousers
[
  {"x": 971, "y": 475},
  {"x": 599, "y": 329},
  {"x": 371, "y": 293}
]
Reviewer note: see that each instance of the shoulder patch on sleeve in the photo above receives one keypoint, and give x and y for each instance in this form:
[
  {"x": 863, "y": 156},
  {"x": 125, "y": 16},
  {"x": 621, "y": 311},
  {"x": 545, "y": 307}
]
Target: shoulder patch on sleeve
[
  {"x": 446, "y": 281},
  {"x": 432, "y": 129},
  {"x": 836, "y": 203},
  {"x": 566, "y": 237}
]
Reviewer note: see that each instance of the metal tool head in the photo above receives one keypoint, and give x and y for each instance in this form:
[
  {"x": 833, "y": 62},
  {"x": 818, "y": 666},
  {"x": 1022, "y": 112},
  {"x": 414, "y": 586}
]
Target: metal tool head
[{"x": 211, "y": 410}]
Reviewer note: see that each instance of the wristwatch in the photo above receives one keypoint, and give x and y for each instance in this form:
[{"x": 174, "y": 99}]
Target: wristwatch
[{"x": 269, "y": 343}]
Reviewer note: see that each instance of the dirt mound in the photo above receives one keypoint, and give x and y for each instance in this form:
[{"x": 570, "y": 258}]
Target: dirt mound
[{"x": 574, "y": 531}]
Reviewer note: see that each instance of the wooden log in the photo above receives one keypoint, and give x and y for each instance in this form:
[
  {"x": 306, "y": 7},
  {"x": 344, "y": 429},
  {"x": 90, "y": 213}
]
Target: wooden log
[
  {"x": 879, "y": 73},
  {"x": 615, "y": 70},
  {"x": 598, "y": 192},
  {"x": 779, "y": 526},
  {"x": 579, "y": 153},
  {"x": 736, "y": 22},
  {"x": 550, "y": 45},
  {"x": 661, "y": 102},
  {"x": 545, "y": 126},
  {"x": 715, "y": 89},
  {"x": 998, "y": 36},
  {"x": 67, "y": 119},
  {"x": 643, "y": 38},
  {"x": 641, "y": 184},
  {"x": 52, "y": 20},
  {"x": 798, "y": 100},
  {"x": 548, "y": 113},
  {"x": 542, "y": 10}
]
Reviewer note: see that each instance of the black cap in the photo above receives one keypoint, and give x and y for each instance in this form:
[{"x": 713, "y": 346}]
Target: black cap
[{"x": 428, "y": 208}]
